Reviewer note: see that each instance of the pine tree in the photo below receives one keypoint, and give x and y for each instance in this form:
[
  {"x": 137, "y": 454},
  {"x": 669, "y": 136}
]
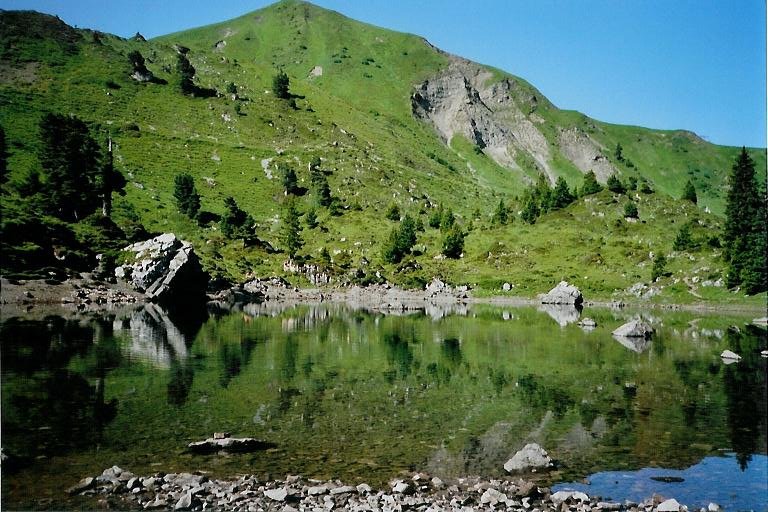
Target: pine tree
[
  {"x": 108, "y": 181},
  {"x": 70, "y": 160},
  {"x": 659, "y": 267},
  {"x": 236, "y": 223},
  {"x": 744, "y": 237},
  {"x": 400, "y": 241},
  {"x": 290, "y": 181},
  {"x": 436, "y": 217},
  {"x": 683, "y": 240},
  {"x": 561, "y": 196},
  {"x": 310, "y": 218},
  {"x": 448, "y": 220},
  {"x": 689, "y": 193},
  {"x": 393, "y": 212},
  {"x": 280, "y": 85},
  {"x": 3, "y": 158},
  {"x": 530, "y": 210},
  {"x": 630, "y": 210},
  {"x": 615, "y": 185},
  {"x": 453, "y": 243},
  {"x": 185, "y": 193},
  {"x": 291, "y": 229},
  {"x": 590, "y": 184},
  {"x": 619, "y": 152},
  {"x": 501, "y": 215}
]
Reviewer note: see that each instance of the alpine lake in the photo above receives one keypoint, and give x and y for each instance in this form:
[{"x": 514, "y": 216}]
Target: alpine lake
[{"x": 366, "y": 396}]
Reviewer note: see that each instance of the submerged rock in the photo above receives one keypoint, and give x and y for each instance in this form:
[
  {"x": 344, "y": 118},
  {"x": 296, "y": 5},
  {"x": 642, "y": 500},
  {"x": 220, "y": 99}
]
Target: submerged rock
[
  {"x": 727, "y": 355},
  {"x": 531, "y": 457},
  {"x": 563, "y": 293},
  {"x": 230, "y": 444}
]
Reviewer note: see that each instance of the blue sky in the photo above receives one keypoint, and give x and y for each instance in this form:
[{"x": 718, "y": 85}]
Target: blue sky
[{"x": 693, "y": 64}]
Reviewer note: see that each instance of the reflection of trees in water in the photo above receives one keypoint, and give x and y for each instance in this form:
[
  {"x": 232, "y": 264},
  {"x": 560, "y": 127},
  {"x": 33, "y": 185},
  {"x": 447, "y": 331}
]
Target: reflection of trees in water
[
  {"x": 398, "y": 354},
  {"x": 234, "y": 357},
  {"x": 544, "y": 396},
  {"x": 180, "y": 383},
  {"x": 49, "y": 408},
  {"x": 745, "y": 387}
]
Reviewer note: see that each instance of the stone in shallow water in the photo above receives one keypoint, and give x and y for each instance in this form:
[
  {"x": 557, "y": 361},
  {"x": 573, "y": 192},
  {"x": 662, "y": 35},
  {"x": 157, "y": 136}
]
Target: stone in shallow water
[{"x": 532, "y": 456}]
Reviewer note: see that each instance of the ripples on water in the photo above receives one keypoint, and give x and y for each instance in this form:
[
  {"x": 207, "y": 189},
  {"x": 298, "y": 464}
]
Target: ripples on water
[{"x": 365, "y": 396}]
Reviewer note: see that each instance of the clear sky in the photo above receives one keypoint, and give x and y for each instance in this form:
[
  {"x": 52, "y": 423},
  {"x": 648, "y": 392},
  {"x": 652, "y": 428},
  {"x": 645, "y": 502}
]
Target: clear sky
[{"x": 693, "y": 64}]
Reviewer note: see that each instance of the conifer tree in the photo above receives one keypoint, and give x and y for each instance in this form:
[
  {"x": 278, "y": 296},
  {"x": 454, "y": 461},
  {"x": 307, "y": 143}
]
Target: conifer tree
[
  {"x": 236, "y": 223},
  {"x": 689, "y": 192},
  {"x": 501, "y": 215},
  {"x": 453, "y": 243},
  {"x": 3, "y": 157},
  {"x": 291, "y": 229},
  {"x": 561, "y": 196},
  {"x": 744, "y": 234},
  {"x": 280, "y": 85},
  {"x": 448, "y": 220},
  {"x": 185, "y": 193},
  {"x": 436, "y": 217},
  {"x": 683, "y": 240},
  {"x": 615, "y": 185},
  {"x": 290, "y": 181},
  {"x": 590, "y": 184},
  {"x": 530, "y": 210}
]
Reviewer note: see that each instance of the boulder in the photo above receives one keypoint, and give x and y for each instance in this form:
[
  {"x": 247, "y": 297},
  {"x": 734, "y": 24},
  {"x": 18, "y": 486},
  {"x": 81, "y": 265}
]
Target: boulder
[
  {"x": 531, "y": 457},
  {"x": 563, "y": 293},
  {"x": 164, "y": 268},
  {"x": 634, "y": 329},
  {"x": 229, "y": 444},
  {"x": 669, "y": 506},
  {"x": 729, "y": 355},
  {"x": 276, "y": 494}
]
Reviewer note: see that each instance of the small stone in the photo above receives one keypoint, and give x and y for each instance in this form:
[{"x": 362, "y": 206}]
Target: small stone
[
  {"x": 343, "y": 490},
  {"x": 364, "y": 488},
  {"x": 532, "y": 456},
  {"x": 492, "y": 496},
  {"x": 400, "y": 487},
  {"x": 157, "y": 503},
  {"x": 317, "y": 489},
  {"x": 669, "y": 506},
  {"x": 276, "y": 494},
  {"x": 184, "y": 503},
  {"x": 82, "y": 485},
  {"x": 727, "y": 354},
  {"x": 605, "y": 505},
  {"x": 713, "y": 507},
  {"x": 437, "y": 483}
]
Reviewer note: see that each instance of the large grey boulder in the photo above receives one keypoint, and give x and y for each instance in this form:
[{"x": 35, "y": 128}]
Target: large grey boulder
[
  {"x": 164, "y": 268},
  {"x": 532, "y": 457},
  {"x": 563, "y": 293}
]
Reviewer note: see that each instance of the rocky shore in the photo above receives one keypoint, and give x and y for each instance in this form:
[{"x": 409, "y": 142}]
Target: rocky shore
[{"x": 188, "y": 491}]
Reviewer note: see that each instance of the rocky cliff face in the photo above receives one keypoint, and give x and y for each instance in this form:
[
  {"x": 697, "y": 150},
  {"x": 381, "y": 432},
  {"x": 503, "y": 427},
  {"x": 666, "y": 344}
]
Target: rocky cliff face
[{"x": 501, "y": 118}]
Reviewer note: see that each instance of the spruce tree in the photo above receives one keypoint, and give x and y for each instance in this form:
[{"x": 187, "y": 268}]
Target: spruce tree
[
  {"x": 630, "y": 210},
  {"x": 590, "y": 185},
  {"x": 448, "y": 220},
  {"x": 689, "y": 193},
  {"x": 615, "y": 185},
  {"x": 561, "y": 196},
  {"x": 530, "y": 211},
  {"x": 501, "y": 215},
  {"x": 744, "y": 237},
  {"x": 393, "y": 212},
  {"x": 290, "y": 181},
  {"x": 453, "y": 243},
  {"x": 291, "y": 229},
  {"x": 236, "y": 223},
  {"x": 185, "y": 193},
  {"x": 280, "y": 85},
  {"x": 683, "y": 240}
]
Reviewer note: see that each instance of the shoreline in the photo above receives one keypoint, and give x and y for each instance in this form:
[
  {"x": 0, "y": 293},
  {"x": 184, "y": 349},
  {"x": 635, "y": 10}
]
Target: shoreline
[
  {"x": 89, "y": 296},
  {"x": 119, "y": 488}
]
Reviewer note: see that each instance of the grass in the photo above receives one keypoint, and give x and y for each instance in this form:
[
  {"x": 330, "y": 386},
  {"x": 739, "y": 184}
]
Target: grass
[{"x": 357, "y": 118}]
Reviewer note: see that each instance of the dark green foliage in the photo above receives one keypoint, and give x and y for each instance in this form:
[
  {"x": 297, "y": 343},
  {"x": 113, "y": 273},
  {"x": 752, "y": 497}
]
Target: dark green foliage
[
  {"x": 618, "y": 152},
  {"x": 236, "y": 223},
  {"x": 232, "y": 88},
  {"x": 325, "y": 257},
  {"x": 630, "y": 210},
  {"x": 448, "y": 220},
  {"x": 280, "y": 85},
  {"x": 400, "y": 241},
  {"x": 744, "y": 234},
  {"x": 501, "y": 215},
  {"x": 291, "y": 229},
  {"x": 659, "y": 267},
  {"x": 435, "y": 218},
  {"x": 3, "y": 158},
  {"x": 645, "y": 187},
  {"x": 109, "y": 180},
  {"x": 590, "y": 185},
  {"x": 185, "y": 193},
  {"x": 128, "y": 219},
  {"x": 615, "y": 185},
  {"x": 70, "y": 161},
  {"x": 290, "y": 181},
  {"x": 393, "y": 212},
  {"x": 530, "y": 211},
  {"x": 319, "y": 182},
  {"x": 453, "y": 243},
  {"x": 137, "y": 62},
  {"x": 187, "y": 74},
  {"x": 689, "y": 193},
  {"x": 561, "y": 196},
  {"x": 684, "y": 239},
  {"x": 632, "y": 183},
  {"x": 310, "y": 218}
]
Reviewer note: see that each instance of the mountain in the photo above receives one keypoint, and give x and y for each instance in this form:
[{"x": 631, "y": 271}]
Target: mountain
[{"x": 394, "y": 121}]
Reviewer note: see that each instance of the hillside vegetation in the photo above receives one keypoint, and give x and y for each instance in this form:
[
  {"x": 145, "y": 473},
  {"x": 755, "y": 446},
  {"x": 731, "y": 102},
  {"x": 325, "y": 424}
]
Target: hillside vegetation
[{"x": 388, "y": 121}]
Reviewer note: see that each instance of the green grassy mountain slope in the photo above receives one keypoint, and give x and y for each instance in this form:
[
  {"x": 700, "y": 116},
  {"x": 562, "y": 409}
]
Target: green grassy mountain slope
[{"x": 393, "y": 120}]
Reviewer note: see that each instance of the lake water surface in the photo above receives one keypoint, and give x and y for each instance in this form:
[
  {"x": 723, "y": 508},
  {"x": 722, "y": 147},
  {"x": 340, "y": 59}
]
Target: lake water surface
[{"x": 367, "y": 397}]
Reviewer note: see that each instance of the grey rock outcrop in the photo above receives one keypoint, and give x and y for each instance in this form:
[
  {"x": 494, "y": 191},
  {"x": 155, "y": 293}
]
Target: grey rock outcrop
[
  {"x": 563, "y": 293},
  {"x": 531, "y": 457},
  {"x": 164, "y": 268}
]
